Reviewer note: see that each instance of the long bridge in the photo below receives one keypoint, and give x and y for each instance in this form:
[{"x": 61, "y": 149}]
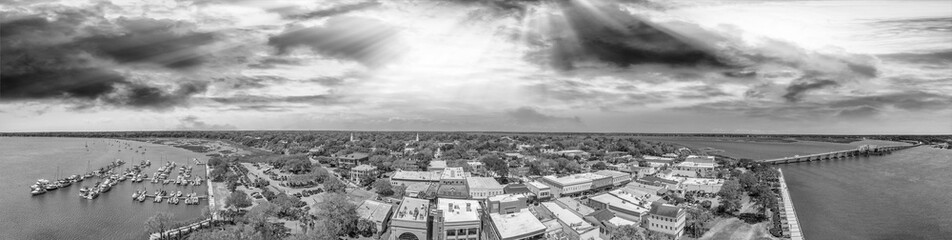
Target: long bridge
[{"x": 865, "y": 150}]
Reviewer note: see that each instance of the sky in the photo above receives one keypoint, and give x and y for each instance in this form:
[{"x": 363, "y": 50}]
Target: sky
[{"x": 729, "y": 66}]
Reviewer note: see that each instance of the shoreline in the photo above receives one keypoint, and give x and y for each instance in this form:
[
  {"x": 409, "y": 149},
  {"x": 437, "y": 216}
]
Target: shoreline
[{"x": 789, "y": 213}]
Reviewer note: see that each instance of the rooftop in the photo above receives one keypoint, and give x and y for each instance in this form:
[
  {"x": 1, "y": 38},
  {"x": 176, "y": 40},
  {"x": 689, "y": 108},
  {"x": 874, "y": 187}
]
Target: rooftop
[
  {"x": 653, "y": 179},
  {"x": 699, "y": 159},
  {"x": 703, "y": 181},
  {"x": 507, "y": 197},
  {"x": 611, "y": 173},
  {"x": 438, "y": 164},
  {"x": 482, "y": 183},
  {"x": 517, "y": 224},
  {"x": 515, "y": 188},
  {"x": 617, "y": 221},
  {"x": 354, "y": 156},
  {"x": 373, "y": 210},
  {"x": 412, "y": 209},
  {"x": 657, "y": 159},
  {"x": 696, "y": 164},
  {"x": 618, "y": 202},
  {"x": 458, "y": 210},
  {"x": 666, "y": 210},
  {"x": 453, "y": 173},
  {"x": 575, "y": 205},
  {"x": 590, "y": 176},
  {"x": 416, "y": 176},
  {"x": 567, "y": 180},
  {"x": 538, "y": 185},
  {"x": 567, "y": 216},
  {"x": 364, "y": 167}
]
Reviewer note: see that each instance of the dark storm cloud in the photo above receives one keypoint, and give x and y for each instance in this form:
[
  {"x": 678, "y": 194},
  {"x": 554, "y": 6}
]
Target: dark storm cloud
[
  {"x": 796, "y": 89},
  {"x": 530, "y": 116},
  {"x": 297, "y": 13},
  {"x": 151, "y": 41},
  {"x": 369, "y": 41},
  {"x": 45, "y": 59}
]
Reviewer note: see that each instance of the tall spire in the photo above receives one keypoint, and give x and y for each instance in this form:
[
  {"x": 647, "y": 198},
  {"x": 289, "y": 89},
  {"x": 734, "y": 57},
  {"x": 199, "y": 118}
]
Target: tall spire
[
  {"x": 417, "y": 137},
  {"x": 352, "y": 137}
]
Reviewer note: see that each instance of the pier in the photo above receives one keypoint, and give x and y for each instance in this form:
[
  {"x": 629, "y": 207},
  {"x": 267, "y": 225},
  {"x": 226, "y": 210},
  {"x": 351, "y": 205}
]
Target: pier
[
  {"x": 181, "y": 231},
  {"x": 788, "y": 215},
  {"x": 865, "y": 150}
]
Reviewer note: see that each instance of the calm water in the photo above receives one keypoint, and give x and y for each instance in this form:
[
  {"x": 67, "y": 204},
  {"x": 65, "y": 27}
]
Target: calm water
[
  {"x": 904, "y": 195},
  {"x": 61, "y": 214}
]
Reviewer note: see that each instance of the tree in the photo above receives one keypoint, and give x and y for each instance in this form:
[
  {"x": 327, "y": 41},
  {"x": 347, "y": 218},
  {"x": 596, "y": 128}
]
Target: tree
[
  {"x": 695, "y": 221},
  {"x": 366, "y": 228},
  {"x": 338, "y": 214},
  {"x": 334, "y": 185},
  {"x": 626, "y": 232},
  {"x": 160, "y": 222},
  {"x": 748, "y": 180},
  {"x": 383, "y": 187},
  {"x": 238, "y": 199},
  {"x": 599, "y": 166},
  {"x": 730, "y": 196},
  {"x": 399, "y": 191},
  {"x": 496, "y": 164},
  {"x": 237, "y": 232},
  {"x": 297, "y": 164}
]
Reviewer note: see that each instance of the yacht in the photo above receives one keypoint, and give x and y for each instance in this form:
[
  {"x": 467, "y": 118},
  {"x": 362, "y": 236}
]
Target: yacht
[{"x": 38, "y": 191}]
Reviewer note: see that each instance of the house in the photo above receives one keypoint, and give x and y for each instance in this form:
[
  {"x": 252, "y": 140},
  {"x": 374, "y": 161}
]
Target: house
[
  {"x": 520, "y": 225},
  {"x": 506, "y": 203},
  {"x": 376, "y": 212},
  {"x": 409, "y": 220},
  {"x": 453, "y": 183},
  {"x": 363, "y": 171},
  {"x": 408, "y": 178},
  {"x": 456, "y": 219},
  {"x": 352, "y": 160},
  {"x": 667, "y": 219},
  {"x": 483, "y": 187},
  {"x": 541, "y": 191},
  {"x": 618, "y": 178}
]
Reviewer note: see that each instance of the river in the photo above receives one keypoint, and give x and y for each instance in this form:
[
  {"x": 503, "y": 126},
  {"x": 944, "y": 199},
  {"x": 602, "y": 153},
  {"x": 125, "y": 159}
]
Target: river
[
  {"x": 903, "y": 195},
  {"x": 61, "y": 214}
]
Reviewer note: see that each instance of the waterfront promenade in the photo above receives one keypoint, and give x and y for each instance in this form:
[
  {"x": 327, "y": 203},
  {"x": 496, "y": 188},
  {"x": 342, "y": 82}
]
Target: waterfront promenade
[{"x": 791, "y": 225}]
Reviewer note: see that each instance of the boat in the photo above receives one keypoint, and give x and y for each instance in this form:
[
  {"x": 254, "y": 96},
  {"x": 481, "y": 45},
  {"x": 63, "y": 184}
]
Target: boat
[
  {"x": 83, "y": 189},
  {"x": 135, "y": 194},
  {"x": 38, "y": 191}
]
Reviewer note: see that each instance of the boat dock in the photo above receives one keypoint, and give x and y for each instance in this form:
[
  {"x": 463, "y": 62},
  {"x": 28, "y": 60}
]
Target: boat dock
[
  {"x": 181, "y": 231},
  {"x": 789, "y": 220}
]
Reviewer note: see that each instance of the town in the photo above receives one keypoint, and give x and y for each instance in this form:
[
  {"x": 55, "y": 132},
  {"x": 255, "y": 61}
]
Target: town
[{"x": 489, "y": 186}]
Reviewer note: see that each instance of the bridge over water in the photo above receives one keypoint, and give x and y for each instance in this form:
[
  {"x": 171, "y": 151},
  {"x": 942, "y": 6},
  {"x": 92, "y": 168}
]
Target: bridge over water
[{"x": 865, "y": 150}]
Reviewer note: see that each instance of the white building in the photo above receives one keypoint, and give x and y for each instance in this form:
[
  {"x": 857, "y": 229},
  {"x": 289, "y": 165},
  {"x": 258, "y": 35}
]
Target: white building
[
  {"x": 376, "y": 212},
  {"x": 541, "y": 190},
  {"x": 667, "y": 219},
  {"x": 483, "y": 187},
  {"x": 362, "y": 171},
  {"x": 618, "y": 178},
  {"x": 568, "y": 185},
  {"x": 573, "y": 225},
  {"x": 708, "y": 185},
  {"x": 409, "y": 220},
  {"x": 408, "y": 178},
  {"x": 695, "y": 166},
  {"x": 622, "y": 203},
  {"x": 513, "y": 226},
  {"x": 456, "y": 219}
]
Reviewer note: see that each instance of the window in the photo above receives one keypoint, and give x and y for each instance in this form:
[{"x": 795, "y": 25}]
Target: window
[
  {"x": 472, "y": 231},
  {"x": 450, "y": 232},
  {"x": 461, "y": 232}
]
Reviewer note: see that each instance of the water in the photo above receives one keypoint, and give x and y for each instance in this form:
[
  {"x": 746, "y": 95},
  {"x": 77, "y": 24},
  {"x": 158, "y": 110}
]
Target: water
[
  {"x": 61, "y": 214},
  {"x": 904, "y": 195}
]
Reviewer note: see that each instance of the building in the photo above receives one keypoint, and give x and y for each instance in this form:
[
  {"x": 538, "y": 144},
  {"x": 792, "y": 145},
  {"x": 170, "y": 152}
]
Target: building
[
  {"x": 352, "y": 160},
  {"x": 567, "y": 186},
  {"x": 707, "y": 185},
  {"x": 599, "y": 182},
  {"x": 376, "y": 212},
  {"x": 574, "y": 227},
  {"x": 515, "y": 188},
  {"x": 667, "y": 219},
  {"x": 660, "y": 182},
  {"x": 418, "y": 190},
  {"x": 506, "y": 203},
  {"x": 408, "y": 178},
  {"x": 520, "y": 225},
  {"x": 453, "y": 183},
  {"x": 541, "y": 190},
  {"x": 483, "y": 187},
  {"x": 622, "y": 204},
  {"x": 436, "y": 166},
  {"x": 574, "y": 154},
  {"x": 409, "y": 220},
  {"x": 640, "y": 172},
  {"x": 363, "y": 171},
  {"x": 456, "y": 219},
  {"x": 618, "y": 178},
  {"x": 574, "y": 205},
  {"x": 695, "y": 166},
  {"x": 658, "y": 161}
]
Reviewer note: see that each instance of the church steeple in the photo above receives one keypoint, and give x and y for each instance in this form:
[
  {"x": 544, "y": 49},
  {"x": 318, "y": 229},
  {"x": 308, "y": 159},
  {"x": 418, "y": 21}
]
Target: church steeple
[
  {"x": 417, "y": 137},
  {"x": 351, "y": 137}
]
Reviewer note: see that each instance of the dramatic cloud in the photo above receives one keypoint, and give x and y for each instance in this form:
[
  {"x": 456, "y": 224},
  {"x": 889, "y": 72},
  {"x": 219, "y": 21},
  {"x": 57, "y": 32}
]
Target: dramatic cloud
[
  {"x": 298, "y": 13},
  {"x": 796, "y": 90},
  {"x": 151, "y": 41},
  {"x": 864, "y": 112},
  {"x": 369, "y": 41}
]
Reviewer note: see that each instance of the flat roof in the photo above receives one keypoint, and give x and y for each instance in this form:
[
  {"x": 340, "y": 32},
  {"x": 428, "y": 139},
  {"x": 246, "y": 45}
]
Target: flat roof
[
  {"x": 507, "y": 197},
  {"x": 373, "y": 210},
  {"x": 575, "y": 205},
  {"x": 703, "y": 181},
  {"x": 416, "y": 176},
  {"x": 567, "y": 216},
  {"x": 482, "y": 183},
  {"x": 567, "y": 180},
  {"x": 695, "y": 164},
  {"x": 438, "y": 164},
  {"x": 591, "y": 176},
  {"x": 618, "y": 202},
  {"x": 453, "y": 173},
  {"x": 458, "y": 210},
  {"x": 538, "y": 185},
  {"x": 656, "y": 158},
  {"x": 617, "y": 221},
  {"x": 517, "y": 224},
  {"x": 412, "y": 209},
  {"x": 611, "y": 173},
  {"x": 700, "y": 159}
]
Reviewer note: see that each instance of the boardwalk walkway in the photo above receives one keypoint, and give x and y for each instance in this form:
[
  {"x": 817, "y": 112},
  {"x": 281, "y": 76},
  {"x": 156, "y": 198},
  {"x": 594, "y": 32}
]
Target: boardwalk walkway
[{"x": 791, "y": 225}]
